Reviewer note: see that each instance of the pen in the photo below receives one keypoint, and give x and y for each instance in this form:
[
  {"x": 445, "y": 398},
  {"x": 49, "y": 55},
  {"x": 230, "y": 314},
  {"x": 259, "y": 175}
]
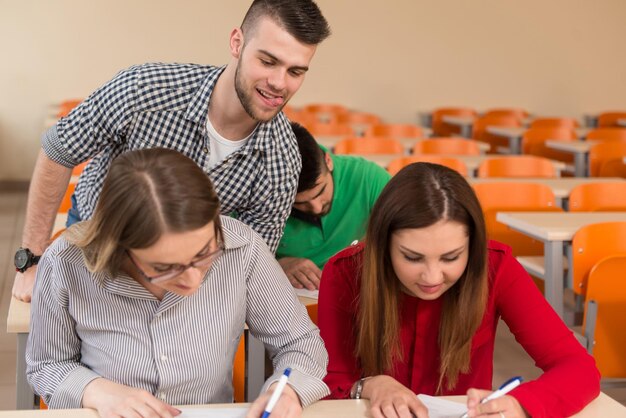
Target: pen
[
  {"x": 277, "y": 392},
  {"x": 506, "y": 387}
]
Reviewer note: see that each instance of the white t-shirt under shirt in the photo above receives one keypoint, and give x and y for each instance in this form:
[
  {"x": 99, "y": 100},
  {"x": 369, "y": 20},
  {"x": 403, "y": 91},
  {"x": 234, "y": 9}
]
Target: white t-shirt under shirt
[{"x": 221, "y": 147}]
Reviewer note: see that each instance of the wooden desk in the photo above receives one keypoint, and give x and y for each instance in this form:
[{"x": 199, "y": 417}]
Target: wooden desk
[
  {"x": 18, "y": 322},
  {"x": 601, "y": 407},
  {"x": 554, "y": 229},
  {"x": 561, "y": 187},
  {"x": 471, "y": 161},
  {"x": 514, "y": 135},
  {"x": 621, "y": 122},
  {"x": 580, "y": 149}
]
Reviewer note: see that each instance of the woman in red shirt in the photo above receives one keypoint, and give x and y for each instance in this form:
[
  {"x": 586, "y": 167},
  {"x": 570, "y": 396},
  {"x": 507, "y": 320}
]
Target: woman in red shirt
[{"x": 415, "y": 309}]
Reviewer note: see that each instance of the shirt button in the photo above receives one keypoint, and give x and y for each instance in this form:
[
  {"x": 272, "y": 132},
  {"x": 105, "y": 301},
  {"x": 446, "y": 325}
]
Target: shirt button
[
  {"x": 205, "y": 150},
  {"x": 163, "y": 357}
]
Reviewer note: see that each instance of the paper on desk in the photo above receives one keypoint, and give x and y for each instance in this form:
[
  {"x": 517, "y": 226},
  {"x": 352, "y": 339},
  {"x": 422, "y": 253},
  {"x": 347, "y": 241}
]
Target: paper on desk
[
  {"x": 313, "y": 294},
  {"x": 213, "y": 412},
  {"x": 442, "y": 408}
]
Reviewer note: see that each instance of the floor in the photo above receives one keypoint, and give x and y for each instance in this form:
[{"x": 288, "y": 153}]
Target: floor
[{"x": 509, "y": 358}]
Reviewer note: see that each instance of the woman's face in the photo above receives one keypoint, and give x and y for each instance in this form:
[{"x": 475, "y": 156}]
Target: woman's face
[
  {"x": 189, "y": 253},
  {"x": 428, "y": 261}
]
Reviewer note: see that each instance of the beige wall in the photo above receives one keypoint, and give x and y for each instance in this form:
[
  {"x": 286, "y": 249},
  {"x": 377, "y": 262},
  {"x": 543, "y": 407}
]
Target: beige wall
[{"x": 394, "y": 57}]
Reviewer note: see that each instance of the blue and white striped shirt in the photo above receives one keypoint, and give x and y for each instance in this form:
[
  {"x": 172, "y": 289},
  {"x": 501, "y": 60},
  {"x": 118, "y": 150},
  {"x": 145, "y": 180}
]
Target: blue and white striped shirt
[{"x": 181, "y": 349}]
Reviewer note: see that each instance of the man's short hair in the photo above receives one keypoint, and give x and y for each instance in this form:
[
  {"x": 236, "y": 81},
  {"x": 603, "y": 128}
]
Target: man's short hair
[
  {"x": 313, "y": 163},
  {"x": 302, "y": 19}
]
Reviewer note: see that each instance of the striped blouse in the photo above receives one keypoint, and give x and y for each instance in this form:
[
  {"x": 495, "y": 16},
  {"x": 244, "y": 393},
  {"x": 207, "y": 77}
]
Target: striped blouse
[{"x": 181, "y": 349}]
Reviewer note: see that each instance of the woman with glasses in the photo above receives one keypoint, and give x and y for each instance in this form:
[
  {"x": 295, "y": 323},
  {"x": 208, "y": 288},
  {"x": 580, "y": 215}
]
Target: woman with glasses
[{"x": 142, "y": 306}]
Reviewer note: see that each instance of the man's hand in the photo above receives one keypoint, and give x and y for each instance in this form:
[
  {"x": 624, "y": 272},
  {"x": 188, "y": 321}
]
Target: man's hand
[
  {"x": 23, "y": 284},
  {"x": 301, "y": 272},
  {"x": 288, "y": 405},
  {"x": 111, "y": 399}
]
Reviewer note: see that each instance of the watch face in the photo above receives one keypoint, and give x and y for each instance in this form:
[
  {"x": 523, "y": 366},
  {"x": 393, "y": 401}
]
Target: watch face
[{"x": 21, "y": 258}]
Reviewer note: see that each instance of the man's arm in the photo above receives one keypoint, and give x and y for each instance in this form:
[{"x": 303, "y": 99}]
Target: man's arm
[{"x": 47, "y": 188}]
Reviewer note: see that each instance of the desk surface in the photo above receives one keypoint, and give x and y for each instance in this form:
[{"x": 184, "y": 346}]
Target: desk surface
[
  {"x": 516, "y": 132},
  {"x": 601, "y": 407},
  {"x": 577, "y": 146},
  {"x": 555, "y": 226},
  {"x": 561, "y": 187}
]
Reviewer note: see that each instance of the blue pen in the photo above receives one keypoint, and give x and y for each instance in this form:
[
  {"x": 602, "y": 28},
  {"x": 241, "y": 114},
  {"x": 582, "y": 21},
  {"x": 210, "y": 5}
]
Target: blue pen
[
  {"x": 506, "y": 387},
  {"x": 277, "y": 392}
]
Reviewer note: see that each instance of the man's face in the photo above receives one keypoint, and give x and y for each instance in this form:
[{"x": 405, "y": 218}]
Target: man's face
[
  {"x": 270, "y": 69},
  {"x": 318, "y": 200}
]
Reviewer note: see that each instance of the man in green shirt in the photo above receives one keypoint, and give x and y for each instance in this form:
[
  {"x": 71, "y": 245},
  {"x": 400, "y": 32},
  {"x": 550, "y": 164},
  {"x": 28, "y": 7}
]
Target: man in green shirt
[{"x": 333, "y": 201}]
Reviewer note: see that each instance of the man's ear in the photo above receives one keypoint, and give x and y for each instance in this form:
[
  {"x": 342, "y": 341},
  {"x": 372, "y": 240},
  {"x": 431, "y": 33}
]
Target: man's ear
[
  {"x": 236, "y": 42},
  {"x": 329, "y": 161}
]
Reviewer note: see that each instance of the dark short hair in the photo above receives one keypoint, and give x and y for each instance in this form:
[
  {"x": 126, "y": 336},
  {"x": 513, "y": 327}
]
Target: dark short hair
[
  {"x": 313, "y": 163},
  {"x": 301, "y": 18}
]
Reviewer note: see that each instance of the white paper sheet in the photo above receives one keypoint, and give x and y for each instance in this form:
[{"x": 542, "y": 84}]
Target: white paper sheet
[
  {"x": 442, "y": 408},
  {"x": 213, "y": 412},
  {"x": 313, "y": 294}
]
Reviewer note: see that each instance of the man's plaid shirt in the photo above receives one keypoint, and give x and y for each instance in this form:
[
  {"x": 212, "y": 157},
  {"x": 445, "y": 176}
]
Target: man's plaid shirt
[{"x": 166, "y": 105}]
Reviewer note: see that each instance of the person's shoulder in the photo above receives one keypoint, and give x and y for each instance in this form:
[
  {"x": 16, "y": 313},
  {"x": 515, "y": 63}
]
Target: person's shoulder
[
  {"x": 349, "y": 256},
  {"x": 172, "y": 75},
  {"x": 499, "y": 255},
  {"x": 63, "y": 253},
  {"x": 359, "y": 164},
  {"x": 238, "y": 234}
]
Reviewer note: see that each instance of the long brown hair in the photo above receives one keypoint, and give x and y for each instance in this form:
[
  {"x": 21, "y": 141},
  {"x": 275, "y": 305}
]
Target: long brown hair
[
  {"x": 145, "y": 194},
  {"x": 420, "y": 195}
]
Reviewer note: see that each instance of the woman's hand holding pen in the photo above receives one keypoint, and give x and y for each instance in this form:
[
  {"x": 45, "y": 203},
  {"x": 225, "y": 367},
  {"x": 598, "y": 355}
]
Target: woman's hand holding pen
[
  {"x": 288, "y": 405},
  {"x": 391, "y": 399},
  {"x": 111, "y": 399},
  {"x": 506, "y": 406}
]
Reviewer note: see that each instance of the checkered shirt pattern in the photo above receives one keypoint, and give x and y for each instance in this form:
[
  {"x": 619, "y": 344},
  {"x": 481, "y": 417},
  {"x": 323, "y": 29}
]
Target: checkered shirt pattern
[{"x": 166, "y": 105}]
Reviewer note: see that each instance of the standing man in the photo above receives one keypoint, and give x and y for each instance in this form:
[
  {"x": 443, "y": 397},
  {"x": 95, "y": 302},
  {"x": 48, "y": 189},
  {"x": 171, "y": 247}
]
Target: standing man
[
  {"x": 335, "y": 196},
  {"x": 227, "y": 119}
]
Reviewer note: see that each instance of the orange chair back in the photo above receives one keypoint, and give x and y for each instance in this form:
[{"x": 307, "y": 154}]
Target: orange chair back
[
  {"x": 450, "y": 162},
  {"x": 440, "y": 128},
  {"x": 479, "y": 129},
  {"x": 78, "y": 169},
  {"x": 395, "y": 130},
  {"x": 519, "y": 114},
  {"x": 606, "y": 159},
  {"x": 569, "y": 123},
  {"x": 239, "y": 371},
  {"x": 358, "y": 118},
  {"x": 514, "y": 197},
  {"x": 598, "y": 197},
  {"x": 607, "y": 134},
  {"x": 66, "y": 106},
  {"x": 456, "y": 146},
  {"x": 325, "y": 112},
  {"x": 517, "y": 166},
  {"x": 66, "y": 203},
  {"x": 330, "y": 129},
  {"x": 607, "y": 287},
  {"x": 369, "y": 145},
  {"x": 609, "y": 119},
  {"x": 534, "y": 143},
  {"x": 590, "y": 244}
]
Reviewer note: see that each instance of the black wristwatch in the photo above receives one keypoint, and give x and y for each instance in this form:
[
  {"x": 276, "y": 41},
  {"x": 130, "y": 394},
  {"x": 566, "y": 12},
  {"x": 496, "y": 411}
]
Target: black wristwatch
[{"x": 24, "y": 259}]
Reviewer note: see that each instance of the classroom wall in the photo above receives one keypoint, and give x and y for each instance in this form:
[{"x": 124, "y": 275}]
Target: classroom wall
[{"x": 394, "y": 58}]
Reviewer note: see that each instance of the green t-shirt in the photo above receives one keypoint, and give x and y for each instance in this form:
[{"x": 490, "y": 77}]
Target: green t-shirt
[{"x": 357, "y": 184}]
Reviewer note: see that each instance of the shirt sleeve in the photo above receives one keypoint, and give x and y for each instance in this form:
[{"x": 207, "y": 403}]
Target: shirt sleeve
[
  {"x": 277, "y": 318},
  {"x": 53, "y": 350},
  {"x": 337, "y": 322},
  {"x": 100, "y": 119},
  {"x": 570, "y": 379}
]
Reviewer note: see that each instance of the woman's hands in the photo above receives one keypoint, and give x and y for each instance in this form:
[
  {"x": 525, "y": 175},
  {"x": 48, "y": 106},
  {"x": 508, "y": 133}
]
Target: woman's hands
[
  {"x": 504, "y": 406},
  {"x": 391, "y": 399},
  {"x": 113, "y": 400},
  {"x": 288, "y": 404}
]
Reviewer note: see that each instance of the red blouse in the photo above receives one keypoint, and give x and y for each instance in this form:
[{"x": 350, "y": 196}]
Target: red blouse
[{"x": 570, "y": 379}]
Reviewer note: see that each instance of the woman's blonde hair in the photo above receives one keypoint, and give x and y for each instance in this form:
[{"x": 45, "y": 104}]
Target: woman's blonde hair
[
  {"x": 420, "y": 195},
  {"x": 146, "y": 193}
]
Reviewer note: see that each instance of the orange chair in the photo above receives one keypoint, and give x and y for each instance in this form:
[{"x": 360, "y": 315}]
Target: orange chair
[
  {"x": 605, "y": 310},
  {"x": 607, "y": 134},
  {"x": 440, "y": 128},
  {"x": 570, "y": 123},
  {"x": 590, "y": 244},
  {"x": 534, "y": 143},
  {"x": 369, "y": 145},
  {"x": 517, "y": 166},
  {"x": 609, "y": 119},
  {"x": 598, "y": 197},
  {"x": 330, "y": 129},
  {"x": 519, "y": 114},
  {"x": 358, "y": 118},
  {"x": 450, "y": 162},
  {"x": 606, "y": 159},
  {"x": 66, "y": 203},
  {"x": 479, "y": 130},
  {"x": 512, "y": 197},
  {"x": 325, "y": 112},
  {"x": 78, "y": 169},
  {"x": 395, "y": 130},
  {"x": 454, "y": 145},
  {"x": 66, "y": 106}
]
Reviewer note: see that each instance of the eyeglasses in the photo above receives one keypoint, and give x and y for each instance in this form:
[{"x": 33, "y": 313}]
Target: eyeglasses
[{"x": 178, "y": 269}]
